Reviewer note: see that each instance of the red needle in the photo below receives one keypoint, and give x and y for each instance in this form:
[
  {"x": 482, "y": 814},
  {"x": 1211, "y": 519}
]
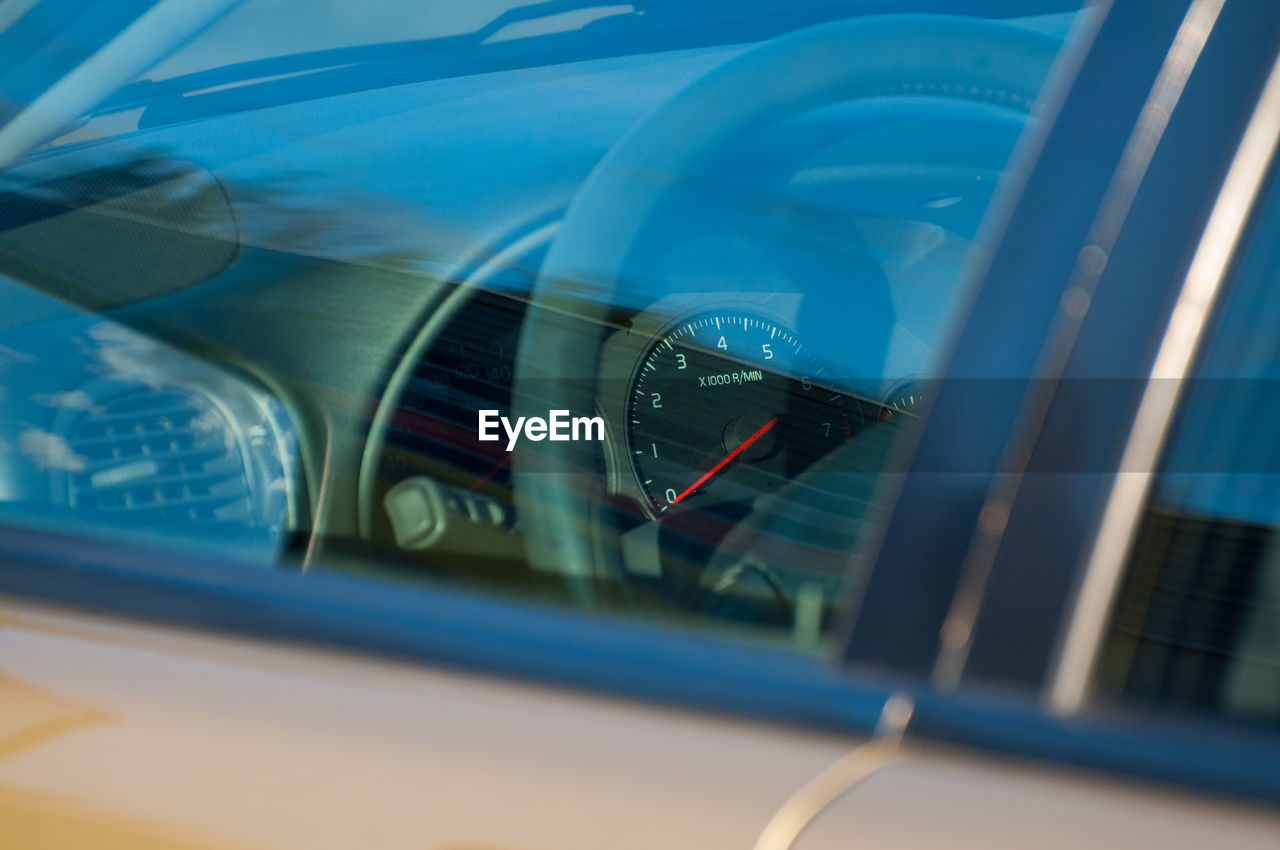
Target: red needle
[
  {"x": 506, "y": 460},
  {"x": 730, "y": 456}
]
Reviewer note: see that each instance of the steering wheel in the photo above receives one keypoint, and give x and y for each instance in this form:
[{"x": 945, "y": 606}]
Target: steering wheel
[{"x": 560, "y": 348}]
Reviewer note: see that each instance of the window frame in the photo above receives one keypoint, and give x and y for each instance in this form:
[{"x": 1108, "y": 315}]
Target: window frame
[
  {"x": 436, "y": 625},
  {"x": 1025, "y": 582},
  {"x": 1038, "y": 235},
  {"x": 1034, "y": 559},
  {"x": 1228, "y": 235}
]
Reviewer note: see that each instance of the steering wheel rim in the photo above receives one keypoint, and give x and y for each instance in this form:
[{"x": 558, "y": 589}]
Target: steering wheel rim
[{"x": 929, "y": 55}]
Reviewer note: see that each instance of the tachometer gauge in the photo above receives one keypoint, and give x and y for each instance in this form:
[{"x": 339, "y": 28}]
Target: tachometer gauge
[{"x": 727, "y": 406}]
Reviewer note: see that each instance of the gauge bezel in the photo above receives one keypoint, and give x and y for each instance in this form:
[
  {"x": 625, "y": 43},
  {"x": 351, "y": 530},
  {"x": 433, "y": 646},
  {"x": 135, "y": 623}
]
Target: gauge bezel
[
  {"x": 701, "y": 320},
  {"x": 622, "y": 358}
]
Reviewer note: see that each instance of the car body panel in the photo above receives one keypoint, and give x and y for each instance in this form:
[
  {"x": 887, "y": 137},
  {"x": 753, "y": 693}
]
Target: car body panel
[
  {"x": 218, "y": 739},
  {"x": 218, "y": 742},
  {"x": 963, "y": 800}
]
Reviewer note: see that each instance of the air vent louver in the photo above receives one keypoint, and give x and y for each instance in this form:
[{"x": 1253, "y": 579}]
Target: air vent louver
[{"x": 159, "y": 456}]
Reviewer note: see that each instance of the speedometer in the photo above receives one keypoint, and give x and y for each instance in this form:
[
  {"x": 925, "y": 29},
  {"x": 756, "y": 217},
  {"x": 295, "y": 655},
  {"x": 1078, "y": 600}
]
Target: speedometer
[{"x": 727, "y": 406}]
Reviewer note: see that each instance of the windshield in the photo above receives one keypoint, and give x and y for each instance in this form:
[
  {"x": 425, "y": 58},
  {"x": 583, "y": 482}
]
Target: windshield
[
  {"x": 251, "y": 30},
  {"x": 629, "y": 307}
]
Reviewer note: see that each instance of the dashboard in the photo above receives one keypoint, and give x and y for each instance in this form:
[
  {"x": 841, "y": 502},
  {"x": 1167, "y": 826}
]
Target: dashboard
[{"x": 711, "y": 404}]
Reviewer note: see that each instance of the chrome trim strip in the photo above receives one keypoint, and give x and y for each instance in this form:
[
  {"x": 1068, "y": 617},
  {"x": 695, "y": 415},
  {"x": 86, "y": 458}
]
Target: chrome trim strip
[
  {"x": 1072, "y": 676},
  {"x": 884, "y": 748},
  {"x": 1170, "y": 82}
]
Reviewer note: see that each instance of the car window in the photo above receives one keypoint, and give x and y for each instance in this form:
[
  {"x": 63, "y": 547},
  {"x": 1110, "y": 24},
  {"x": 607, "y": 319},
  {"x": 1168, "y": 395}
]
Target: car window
[
  {"x": 625, "y": 307},
  {"x": 1197, "y": 623}
]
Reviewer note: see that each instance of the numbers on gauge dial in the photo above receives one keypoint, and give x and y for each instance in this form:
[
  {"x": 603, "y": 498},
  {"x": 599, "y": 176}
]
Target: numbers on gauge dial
[{"x": 726, "y": 403}]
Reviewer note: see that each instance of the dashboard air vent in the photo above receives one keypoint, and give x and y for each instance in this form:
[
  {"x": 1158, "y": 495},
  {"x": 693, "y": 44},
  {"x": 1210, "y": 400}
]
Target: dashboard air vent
[{"x": 159, "y": 456}]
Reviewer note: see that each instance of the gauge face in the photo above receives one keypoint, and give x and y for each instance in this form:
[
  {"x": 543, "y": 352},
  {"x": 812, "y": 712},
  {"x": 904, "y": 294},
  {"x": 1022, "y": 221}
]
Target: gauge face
[{"x": 727, "y": 406}]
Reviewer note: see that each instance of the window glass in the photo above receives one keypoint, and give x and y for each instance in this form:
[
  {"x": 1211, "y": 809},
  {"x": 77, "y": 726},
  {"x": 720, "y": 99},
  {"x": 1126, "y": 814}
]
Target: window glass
[
  {"x": 621, "y": 306},
  {"x": 1197, "y": 625}
]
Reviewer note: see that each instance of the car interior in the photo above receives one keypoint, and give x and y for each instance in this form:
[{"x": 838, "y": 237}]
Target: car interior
[{"x": 295, "y": 281}]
